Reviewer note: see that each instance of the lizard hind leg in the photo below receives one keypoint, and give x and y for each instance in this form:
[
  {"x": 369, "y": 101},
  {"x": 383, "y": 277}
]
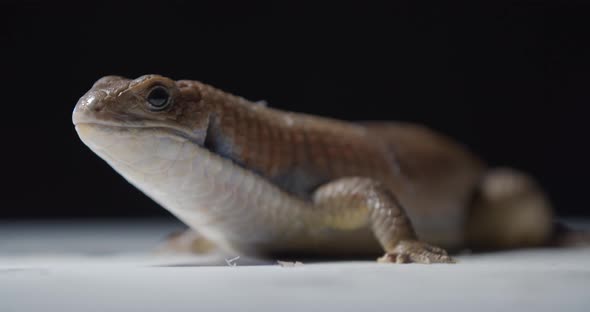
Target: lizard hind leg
[
  {"x": 186, "y": 241},
  {"x": 508, "y": 211},
  {"x": 351, "y": 203}
]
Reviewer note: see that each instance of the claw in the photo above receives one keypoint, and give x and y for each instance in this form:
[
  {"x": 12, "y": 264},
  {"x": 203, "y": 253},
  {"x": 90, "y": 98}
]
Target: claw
[{"x": 418, "y": 252}]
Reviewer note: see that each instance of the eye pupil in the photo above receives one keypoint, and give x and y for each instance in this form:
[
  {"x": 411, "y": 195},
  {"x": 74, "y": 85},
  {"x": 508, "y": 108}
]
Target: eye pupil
[{"x": 158, "y": 98}]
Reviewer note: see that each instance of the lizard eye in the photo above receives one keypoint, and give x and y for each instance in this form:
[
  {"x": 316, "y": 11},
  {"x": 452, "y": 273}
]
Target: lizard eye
[{"x": 158, "y": 99}]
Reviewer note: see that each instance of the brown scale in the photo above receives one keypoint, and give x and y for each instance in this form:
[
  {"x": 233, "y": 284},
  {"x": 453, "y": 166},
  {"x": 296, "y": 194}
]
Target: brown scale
[{"x": 253, "y": 146}]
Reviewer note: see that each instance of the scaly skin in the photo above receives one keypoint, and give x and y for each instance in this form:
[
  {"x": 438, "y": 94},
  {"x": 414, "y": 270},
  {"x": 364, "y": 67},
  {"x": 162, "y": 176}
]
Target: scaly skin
[{"x": 261, "y": 181}]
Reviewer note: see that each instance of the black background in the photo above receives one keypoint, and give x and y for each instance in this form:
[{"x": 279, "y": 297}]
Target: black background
[{"x": 509, "y": 80}]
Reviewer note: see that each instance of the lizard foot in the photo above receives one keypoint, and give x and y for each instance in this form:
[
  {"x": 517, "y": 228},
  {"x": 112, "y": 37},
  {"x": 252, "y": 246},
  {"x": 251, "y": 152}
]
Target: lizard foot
[
  {"x": 186, "y": 241},
  {"x": 409, "y": 251}
]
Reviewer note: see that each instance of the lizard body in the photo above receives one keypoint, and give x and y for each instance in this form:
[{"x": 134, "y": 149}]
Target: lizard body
[{"x": 261, "y": 181}]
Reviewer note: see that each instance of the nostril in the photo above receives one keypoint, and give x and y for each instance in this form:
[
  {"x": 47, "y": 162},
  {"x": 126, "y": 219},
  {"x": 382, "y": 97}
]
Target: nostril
[
  {"x": 92, "y": 101},
  {"x": 88, "y": 106}
]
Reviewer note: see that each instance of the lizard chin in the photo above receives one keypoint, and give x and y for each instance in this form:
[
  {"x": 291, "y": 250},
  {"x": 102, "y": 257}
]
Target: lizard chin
[{"x": 147, "y": 149}]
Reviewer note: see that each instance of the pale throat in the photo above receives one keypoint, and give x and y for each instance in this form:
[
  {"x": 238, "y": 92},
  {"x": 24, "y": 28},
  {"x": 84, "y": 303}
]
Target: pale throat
[{"x": 199, "y": 187}]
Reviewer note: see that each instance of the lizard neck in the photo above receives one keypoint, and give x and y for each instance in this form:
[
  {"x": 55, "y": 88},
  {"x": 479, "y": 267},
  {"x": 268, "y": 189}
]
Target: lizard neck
[{"x": 205, "y": 191}]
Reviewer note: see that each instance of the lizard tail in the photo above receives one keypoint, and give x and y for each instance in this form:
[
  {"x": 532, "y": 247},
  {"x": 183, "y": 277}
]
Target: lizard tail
[{"x": 566, "y": 236}]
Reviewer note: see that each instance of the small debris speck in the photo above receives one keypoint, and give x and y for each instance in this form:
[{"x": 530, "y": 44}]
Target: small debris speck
[
  {"x": 232, "y": 262},
  {"x": 289, "y": 264}
]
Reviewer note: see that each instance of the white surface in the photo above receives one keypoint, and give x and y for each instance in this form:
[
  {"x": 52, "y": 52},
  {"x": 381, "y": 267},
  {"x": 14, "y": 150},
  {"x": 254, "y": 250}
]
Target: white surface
[{"x": 81, "y": 266}]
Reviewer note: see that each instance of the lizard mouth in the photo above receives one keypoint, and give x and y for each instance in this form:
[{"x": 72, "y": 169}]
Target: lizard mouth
[{"x": 82, "y": 127}]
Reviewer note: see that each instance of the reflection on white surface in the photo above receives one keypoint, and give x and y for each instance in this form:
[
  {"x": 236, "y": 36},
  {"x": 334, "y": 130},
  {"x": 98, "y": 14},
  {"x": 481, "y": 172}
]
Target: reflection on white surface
[{"x": 111, "y": 266}]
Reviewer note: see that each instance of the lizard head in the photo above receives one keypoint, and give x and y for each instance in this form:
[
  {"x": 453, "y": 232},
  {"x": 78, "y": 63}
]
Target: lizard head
[
  {"x": 150, "y": 102},
  {"x": 127, "y": 119}
]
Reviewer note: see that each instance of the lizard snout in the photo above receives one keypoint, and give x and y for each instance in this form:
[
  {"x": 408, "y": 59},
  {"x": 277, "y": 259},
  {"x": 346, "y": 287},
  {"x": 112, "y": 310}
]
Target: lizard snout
[{"x": 91, "y": 103}]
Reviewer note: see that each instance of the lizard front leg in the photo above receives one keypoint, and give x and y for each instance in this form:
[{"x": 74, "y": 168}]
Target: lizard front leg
[{"x": 350, "y": 203}]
